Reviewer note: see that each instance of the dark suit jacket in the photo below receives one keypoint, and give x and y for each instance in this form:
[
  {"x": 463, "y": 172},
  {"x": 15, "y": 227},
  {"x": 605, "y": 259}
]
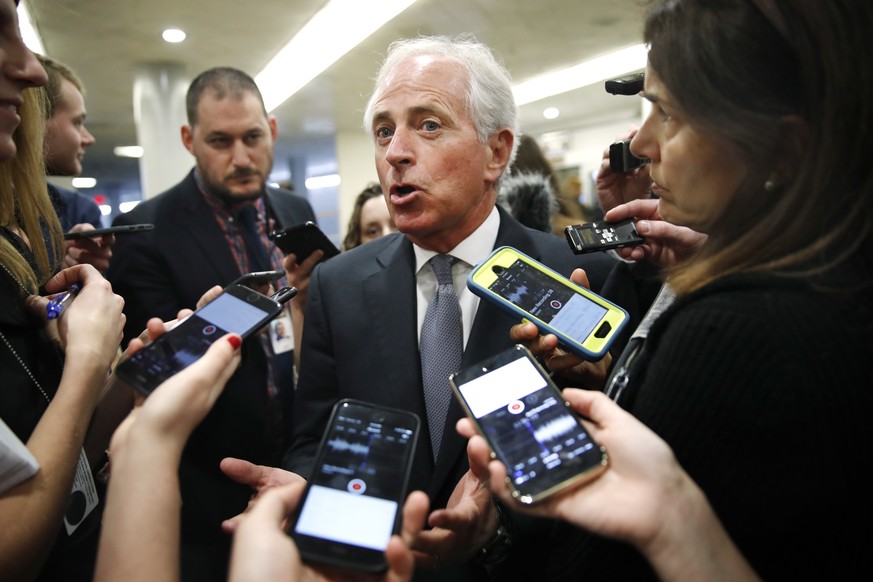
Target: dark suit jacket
[
  {"x": 360, "y": 341},
  {"x": 73, "y": 207},
  {"x": 167, "y": 269}
]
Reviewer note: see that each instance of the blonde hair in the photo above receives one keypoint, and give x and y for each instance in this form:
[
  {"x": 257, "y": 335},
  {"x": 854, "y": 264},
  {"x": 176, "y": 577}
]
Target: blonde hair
[{"x": 24, "y": 199}]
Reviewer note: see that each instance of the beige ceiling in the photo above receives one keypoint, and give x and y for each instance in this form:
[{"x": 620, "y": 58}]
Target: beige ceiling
[{"x": 104, "y": 41}]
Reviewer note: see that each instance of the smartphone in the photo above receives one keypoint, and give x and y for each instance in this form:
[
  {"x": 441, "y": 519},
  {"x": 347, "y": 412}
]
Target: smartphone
[
  {"x": 585, "y": 323},
  {"x": 124, "y": 229},
  {"x": 603, "y": 235},
  {"x": 529, "y": 426},
  {"x": 352, "y": 502},
  {"x": 621, "y": 159},
  {"x": 258, "y": 277},
  {"x": 238, "y": 309},
  {"x": 302, "y": 239},
  {"x": 626, "y": 85}
]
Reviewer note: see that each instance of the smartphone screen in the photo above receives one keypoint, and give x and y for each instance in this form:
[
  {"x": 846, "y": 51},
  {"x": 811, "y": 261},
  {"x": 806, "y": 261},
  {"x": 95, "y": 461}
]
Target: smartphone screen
[
  {"x": 237, "y": 310},
  {"x": 561, "y": 307},
  {"x": 528, "y": 425},
  {"x": 353, "y": 499}
]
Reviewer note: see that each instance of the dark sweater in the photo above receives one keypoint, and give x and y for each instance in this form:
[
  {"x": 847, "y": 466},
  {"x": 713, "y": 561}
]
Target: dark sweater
[{"x": 762, "y": 386}]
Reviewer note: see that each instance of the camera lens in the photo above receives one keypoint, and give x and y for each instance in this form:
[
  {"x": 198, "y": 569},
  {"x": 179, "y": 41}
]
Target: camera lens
[{"x": 497, "y": 269}]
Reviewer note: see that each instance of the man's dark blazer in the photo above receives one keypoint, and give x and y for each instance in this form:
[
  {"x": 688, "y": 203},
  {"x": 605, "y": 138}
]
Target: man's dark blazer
[
  {"x": 360, "y": 341},
  {"x": 167, "y": 269}
]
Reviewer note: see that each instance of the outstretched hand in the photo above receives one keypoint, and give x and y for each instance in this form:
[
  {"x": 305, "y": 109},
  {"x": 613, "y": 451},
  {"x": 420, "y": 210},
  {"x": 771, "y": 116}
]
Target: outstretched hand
[
  {"x": 263, "y": 551},
  {"x": 259, "y": 477},
  {"x": 468, "y": 521},
  {"x": 95, "y": 251},
  {"x": 175, "y": 408},
  {"x": 558, "y": 360},
  {"x": 628, "y": 500},
  {"x": 666, "y": 244}
]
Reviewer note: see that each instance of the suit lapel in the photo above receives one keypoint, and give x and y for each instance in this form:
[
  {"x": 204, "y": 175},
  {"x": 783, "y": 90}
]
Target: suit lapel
[
  {"x": 282, "y": 213},
  {"x": 389, "y": 293},
  {"x": 198, "y": 219}
]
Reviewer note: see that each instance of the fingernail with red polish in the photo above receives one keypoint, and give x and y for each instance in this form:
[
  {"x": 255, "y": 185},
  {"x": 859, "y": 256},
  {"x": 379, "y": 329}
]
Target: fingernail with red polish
[{"x": 235, "y": 341}]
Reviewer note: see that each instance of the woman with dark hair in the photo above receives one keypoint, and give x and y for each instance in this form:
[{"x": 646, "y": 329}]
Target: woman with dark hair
[
  {"x": 370, "y": 218},
  {"x": 757, "y": 376}
]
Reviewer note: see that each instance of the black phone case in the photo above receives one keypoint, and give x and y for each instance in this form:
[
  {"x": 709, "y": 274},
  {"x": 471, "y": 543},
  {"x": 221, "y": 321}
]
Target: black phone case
[
  {"x": 116, "y": 230},
  {"x": 341, "y": 559},
  {"x": 621, "y": 159},
  {"x": 601, "y": 236},
  {"x": 302, "y": 239},
  {"x": 627, "y": 85}
]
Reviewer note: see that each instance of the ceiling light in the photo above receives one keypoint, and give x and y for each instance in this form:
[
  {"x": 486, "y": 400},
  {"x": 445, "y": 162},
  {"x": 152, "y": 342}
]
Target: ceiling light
[
  {"x": 105, "y": 209},
  {"x": 319, "y": 182},
  {"x": 29, "y": 34},
  {"x": 338, "y": 28},
  {"x": 128, "y": 151},
  {"x": 84, "y": 182},
  {"x": 614, "y": 64},
  {"x": 174, "y": 35},
  {"x": 551, "y": 112}
]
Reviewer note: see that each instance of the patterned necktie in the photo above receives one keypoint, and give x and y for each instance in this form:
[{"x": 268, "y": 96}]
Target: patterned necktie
[
  {"x": 259, "y": 260},
  {"x": 442, "y": 344}
]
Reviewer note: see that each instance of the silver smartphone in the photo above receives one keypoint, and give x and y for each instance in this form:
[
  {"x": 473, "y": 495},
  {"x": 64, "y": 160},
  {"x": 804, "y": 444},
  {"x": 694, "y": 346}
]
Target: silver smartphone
[{"x": 531, "y": 429}]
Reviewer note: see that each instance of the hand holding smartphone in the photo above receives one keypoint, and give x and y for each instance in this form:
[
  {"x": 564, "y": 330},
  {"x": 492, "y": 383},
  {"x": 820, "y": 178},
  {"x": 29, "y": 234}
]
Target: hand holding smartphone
[
  {"x": 352, "y": 502},
  {"x": 237, "y": 309},
  {"x": 302, "y": 239},
  {"x": 584, "y": 323},
  {"x": 529, "y": 426}
]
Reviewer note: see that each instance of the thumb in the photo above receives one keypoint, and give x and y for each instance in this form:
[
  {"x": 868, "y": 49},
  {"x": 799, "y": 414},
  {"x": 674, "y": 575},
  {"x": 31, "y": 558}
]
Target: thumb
[
  {"x": 276, "y": 505},
  {"x": 241, "y": 471}
]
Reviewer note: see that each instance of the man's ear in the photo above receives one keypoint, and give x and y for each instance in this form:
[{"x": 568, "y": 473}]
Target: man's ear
[
  {"x": 188, "y": 138},
  {"x": 500, "y": 148},
  {"x": 274, "y": 128}
]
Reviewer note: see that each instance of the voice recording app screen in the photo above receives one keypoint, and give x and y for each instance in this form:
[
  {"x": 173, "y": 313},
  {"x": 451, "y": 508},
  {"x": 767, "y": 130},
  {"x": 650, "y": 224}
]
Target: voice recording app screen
[
  {"x": 188, "y": 341},
  {"x": 546, "y": 299},
  {"x": 354, "y": 493},
  {"x": 527, "y": 424}
]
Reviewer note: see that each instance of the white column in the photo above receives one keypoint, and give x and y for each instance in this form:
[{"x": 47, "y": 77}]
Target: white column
[
  {"x": 159, "y": 111},
  {"x": 357, "y": 168}
]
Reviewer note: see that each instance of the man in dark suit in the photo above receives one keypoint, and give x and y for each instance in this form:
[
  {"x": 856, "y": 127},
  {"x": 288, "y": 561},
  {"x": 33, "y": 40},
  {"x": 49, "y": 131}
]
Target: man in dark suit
[
  {"x": 444, "y": 124},
  {"x": 209, "y": 229}
]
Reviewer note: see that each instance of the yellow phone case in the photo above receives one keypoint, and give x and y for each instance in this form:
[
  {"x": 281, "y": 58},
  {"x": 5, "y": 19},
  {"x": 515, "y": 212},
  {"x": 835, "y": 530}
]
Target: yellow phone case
[{"x": 585, "y": 323}]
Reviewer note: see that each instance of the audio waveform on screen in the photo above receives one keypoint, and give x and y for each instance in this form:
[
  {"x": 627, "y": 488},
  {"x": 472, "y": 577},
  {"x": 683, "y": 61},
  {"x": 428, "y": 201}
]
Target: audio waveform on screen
[
  {"x": 338, "y": 444},
  {"x": 555, "y": 429},
  {"x": 517, "y": 295}
]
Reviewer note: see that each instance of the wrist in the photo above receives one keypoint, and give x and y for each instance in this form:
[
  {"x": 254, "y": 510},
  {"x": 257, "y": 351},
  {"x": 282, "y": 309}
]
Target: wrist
[
  {"x": 686, "y": 532},
  {"x": 497, "y": 547}
]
